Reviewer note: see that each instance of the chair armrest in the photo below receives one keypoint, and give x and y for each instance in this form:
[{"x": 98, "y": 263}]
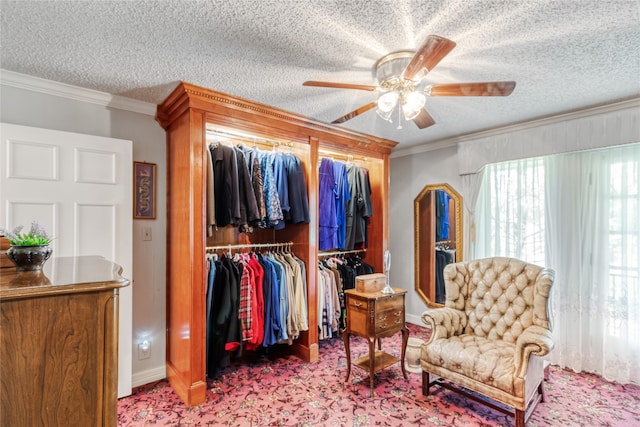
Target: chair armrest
[
  {"x": 534, "y": 340},
  {"x": 444, "y": 322}
]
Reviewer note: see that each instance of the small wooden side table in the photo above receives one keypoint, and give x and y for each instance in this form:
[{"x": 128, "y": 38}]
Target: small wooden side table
[{"x": 374, "y": 315}]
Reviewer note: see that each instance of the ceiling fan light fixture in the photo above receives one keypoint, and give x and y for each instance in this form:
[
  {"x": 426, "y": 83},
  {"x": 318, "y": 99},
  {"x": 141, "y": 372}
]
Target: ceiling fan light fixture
[
  {"x": 386, "y": 115},
  {"x": 413, "y": 103},
  {"x": 387, "y": 101},
  {"x": 400, "y": 74}
]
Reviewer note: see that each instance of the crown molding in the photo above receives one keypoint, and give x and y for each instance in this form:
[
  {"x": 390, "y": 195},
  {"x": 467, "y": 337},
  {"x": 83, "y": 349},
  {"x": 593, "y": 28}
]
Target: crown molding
[
  {"x": 423, "y": 148},
  {"x": 544, "y": 121},
  {"x": 63, "y": 90}
]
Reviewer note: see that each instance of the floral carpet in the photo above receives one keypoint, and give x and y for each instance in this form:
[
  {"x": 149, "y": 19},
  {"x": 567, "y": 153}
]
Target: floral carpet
[{"x": 281, "y": 390}]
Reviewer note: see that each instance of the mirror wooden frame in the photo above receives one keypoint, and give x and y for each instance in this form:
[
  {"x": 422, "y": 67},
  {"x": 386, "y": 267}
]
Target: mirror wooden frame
[{"x": 424, "y": 239}]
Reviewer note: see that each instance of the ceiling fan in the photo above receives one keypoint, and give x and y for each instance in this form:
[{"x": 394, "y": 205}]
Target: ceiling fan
[{"x": 399, "y": 75}]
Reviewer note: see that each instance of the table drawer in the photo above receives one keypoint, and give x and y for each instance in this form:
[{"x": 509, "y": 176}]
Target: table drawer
[
  {"x": 390, "y": 303},
  {"x": 389, "y": 320},
  {"x": 357, "y": 303}
]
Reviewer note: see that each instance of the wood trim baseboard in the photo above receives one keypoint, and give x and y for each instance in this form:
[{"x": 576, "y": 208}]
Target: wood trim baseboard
[{"x": 149, "y": 376}]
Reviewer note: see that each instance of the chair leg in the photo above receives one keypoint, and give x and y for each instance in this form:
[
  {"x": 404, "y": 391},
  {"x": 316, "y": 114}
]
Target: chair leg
[
  {"x": 519, "y": 418},
  {"x": 425, "y": 383}
]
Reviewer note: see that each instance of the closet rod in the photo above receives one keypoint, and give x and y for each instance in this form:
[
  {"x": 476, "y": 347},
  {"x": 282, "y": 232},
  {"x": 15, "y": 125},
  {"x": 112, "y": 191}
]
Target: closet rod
[
  {"x": 348, "y": 157},
  {"x": 247, "y": 138},
  {"x": 249, "y": 245},
  {"x": 352, "y": 251}
]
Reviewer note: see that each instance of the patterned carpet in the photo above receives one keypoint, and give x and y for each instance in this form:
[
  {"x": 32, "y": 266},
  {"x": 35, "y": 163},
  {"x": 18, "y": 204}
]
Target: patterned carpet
[{"x": 281, "y": 390}]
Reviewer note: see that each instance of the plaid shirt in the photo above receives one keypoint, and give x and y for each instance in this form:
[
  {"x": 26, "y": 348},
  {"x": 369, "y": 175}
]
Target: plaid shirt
[{"x": 245, "y": 301}]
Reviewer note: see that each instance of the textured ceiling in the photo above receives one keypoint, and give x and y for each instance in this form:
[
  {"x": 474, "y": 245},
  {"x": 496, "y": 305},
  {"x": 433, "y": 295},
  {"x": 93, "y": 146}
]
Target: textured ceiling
[{"x": 565, "y": 55}]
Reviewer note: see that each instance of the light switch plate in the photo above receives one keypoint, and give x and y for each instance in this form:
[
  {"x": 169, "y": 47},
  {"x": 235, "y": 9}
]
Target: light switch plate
[{"x": 146, "y": 233}]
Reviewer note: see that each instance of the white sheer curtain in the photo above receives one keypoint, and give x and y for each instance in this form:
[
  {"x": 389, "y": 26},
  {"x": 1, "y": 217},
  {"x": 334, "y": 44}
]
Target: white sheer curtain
[
  {"x": 510, "y": 211},
  {"x": 577, "y": 213},
  {"x": 471, "y": 184}
]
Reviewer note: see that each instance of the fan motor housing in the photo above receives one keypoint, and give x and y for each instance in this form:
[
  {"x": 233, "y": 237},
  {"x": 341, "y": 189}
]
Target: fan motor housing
[{"x": 391, "y": 66}]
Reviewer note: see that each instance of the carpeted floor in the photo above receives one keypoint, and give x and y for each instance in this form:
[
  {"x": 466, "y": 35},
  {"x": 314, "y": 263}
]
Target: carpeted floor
[{"x": 282, "y": 390}]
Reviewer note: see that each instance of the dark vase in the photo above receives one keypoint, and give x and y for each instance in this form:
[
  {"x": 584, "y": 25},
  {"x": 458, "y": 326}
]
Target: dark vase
[{"x": 29, "y": 258}]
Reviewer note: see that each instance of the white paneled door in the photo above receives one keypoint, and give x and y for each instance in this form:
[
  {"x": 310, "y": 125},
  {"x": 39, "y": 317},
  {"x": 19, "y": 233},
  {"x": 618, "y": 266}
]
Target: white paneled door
[{"x": 79, "y": 188}]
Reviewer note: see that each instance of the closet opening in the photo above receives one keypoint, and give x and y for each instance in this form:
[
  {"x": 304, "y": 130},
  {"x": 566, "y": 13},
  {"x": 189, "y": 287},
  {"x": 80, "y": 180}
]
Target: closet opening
[{"x": 199, "y": 121}]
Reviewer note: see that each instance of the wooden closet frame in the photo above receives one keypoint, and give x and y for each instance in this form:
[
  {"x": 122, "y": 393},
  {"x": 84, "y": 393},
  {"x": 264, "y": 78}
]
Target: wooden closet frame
[{"x": 185, "y": 115}]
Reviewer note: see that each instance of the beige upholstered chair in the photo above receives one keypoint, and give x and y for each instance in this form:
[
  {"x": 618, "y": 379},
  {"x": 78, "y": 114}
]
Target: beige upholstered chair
[{"x": 491, "y": 334}]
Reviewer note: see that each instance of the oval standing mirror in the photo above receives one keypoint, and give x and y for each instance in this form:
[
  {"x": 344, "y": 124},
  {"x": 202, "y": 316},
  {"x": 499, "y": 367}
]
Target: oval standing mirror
[{"x": 438, "y": 239}]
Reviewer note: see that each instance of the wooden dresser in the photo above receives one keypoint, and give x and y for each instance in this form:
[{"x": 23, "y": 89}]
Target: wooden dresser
[
  {"x": 59, "y": 343},
  {"x": 374, "y": 315}
]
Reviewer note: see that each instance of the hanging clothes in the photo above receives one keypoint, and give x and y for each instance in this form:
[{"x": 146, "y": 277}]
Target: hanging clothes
[
  {"x": 442, "y": 215},
  {"x": 336, "y": 310},
  {"x": 249, "y": 188},
  {"x": 255, "y": 175},
  {"x": 359, "y": 208},
  {"x": 227, "y": 194},
  {"x": 211, "y": 274},
  {"x": 249, "y": 213},
  {"x": 256, "y": 338},
  {"x": 220, "y": 317},
  {"x": 444, "y": 256},
  {"x": 254, "y": 301},
  {"x": 298, "y": 199},
  {"x": 247, "y": 297},
  {"x": 281, "y": 296},
  {"x": 210, "y": 195},
  {"x": 342, "y": 196},
  {"x": 282, "y": 186},
  {"x": 327, "y": 218},
  {"x": 234, "y": 333},
  {"x": 335, "y": 275}
]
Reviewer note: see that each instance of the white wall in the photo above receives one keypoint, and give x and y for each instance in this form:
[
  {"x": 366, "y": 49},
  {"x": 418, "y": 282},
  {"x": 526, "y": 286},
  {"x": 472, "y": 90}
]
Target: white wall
[
  {"x": 409, "y": 175},
  {"x": 39, "y": 103}
]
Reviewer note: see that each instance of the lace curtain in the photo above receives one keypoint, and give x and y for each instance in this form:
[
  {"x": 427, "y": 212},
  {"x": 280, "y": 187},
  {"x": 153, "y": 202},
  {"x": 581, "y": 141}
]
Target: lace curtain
[
  {"x": 471, "y": 184},
  {"x": 577, "y": 213}
]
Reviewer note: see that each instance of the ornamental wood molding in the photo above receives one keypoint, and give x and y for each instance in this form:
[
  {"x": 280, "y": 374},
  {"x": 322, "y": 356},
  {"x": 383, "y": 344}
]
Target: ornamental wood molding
[{"x": 265, "y": 121}]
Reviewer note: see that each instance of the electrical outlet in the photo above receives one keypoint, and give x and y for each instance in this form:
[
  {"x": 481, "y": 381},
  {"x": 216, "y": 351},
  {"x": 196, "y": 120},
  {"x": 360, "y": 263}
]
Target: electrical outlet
[
  {"x": 146, "y": 233},
  {"x": 144, "y": 350}
]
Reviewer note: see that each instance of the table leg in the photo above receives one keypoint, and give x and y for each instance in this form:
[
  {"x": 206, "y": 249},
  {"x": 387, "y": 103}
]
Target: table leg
[
  {"x": 345, "y": 338},
  {"x": 405, "y": 339},
  {"x": 372, "y": 362}
]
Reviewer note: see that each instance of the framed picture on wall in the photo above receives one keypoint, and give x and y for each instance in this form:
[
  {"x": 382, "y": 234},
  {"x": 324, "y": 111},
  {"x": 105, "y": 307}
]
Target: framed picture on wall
[{"x": 144, "y": 190}]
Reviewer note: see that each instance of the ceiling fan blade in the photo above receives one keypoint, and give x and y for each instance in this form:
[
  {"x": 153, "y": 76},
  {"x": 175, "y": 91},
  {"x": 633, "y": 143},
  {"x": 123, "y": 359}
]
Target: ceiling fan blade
[
  {"x": 339, "y": 85},
  {"x": 427, "y": 57},
  {"x": 424, "y": 119},
  {"x": 473, "y": 89},
  {"x": 356, "y": 112}
]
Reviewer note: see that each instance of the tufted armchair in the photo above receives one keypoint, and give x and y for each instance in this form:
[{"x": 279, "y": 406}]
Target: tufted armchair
[{"x": 490, "y": 335}]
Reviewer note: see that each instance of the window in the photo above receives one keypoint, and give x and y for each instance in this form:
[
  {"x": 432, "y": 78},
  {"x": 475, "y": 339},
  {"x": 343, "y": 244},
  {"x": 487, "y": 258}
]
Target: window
[
  {"x": 579, "y": 214},
  {"x": 512, "y": 211},
  {"x": 624, "y": 241}
]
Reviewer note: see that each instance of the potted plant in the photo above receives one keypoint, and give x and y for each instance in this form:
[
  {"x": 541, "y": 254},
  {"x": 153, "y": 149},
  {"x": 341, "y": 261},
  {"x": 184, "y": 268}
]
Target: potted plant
[{"x": 28, "y": 251}]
